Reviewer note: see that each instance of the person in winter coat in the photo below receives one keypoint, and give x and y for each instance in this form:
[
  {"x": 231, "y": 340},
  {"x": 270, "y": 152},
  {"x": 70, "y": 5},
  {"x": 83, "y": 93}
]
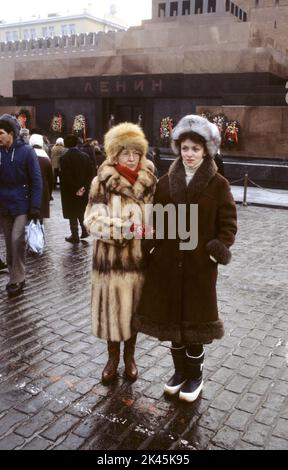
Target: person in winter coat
[
  {"x": 75, "y": 179},
  {"x": 20, "y": 197},
  {"x": 36, "y": 141},
  {"x": 124, "y": 184},
  {"x": 179, "y": 302},
  {"x": 56, "y": 153}
]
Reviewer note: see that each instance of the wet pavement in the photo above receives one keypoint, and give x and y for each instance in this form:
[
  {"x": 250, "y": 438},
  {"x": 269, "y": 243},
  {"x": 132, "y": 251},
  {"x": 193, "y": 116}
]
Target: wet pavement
[{"x": 51, "y": 396}]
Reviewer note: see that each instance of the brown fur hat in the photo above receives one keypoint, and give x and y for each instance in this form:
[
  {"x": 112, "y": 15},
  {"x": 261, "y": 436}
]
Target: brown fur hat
[{"x": 124, "y": 136}]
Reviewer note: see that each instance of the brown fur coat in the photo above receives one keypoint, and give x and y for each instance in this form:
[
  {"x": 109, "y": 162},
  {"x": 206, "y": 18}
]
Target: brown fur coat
[
  {"x": 179, "y": 300},
  {"x": 117, "y": 276}
]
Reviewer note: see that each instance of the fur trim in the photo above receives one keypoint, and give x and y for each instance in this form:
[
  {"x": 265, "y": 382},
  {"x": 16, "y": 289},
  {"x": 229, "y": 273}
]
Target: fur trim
[
  {"x": 219, "y": 251},
  {"x": 142, "y": 190},
  {"x": 123, "y": 136},
  {"x": 186, "y": 333},
  {"x": 115, "y": 299},
  {"x": 180, "y": 193},
  {"x": 201, "y": 126}
]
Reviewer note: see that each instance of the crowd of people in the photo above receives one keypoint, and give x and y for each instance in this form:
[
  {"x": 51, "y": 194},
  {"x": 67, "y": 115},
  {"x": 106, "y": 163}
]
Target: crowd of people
[{"x": 142, "y": 280}]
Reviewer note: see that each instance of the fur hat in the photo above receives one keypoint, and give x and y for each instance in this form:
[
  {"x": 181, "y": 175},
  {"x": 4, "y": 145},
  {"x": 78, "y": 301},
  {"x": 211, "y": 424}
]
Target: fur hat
[
  {"x": 59, "y": 141},
  {"x": 9, "y": 124},
  {"x": 36, "y": 139},
  {"x": 124, "y": 136},
  {"x": 201, "y": 126}
]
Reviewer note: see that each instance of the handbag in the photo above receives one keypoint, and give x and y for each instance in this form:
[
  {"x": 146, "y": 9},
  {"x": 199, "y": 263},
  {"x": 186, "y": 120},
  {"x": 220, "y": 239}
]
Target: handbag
[{"x": 35, "y": 238}]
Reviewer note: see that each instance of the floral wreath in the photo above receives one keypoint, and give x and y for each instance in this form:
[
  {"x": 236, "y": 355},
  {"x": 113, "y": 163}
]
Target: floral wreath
[
  {"x": 166, "y": 127},
  {"x": 79, "y": 125},
  {"x": 231, "y": 134},
  {"x": 221, "y": 122},
  {"x": 57, "y": 123}
]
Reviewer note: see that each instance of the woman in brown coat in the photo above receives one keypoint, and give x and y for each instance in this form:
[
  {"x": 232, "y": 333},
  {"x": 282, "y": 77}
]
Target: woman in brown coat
[
  {"x": 124, "y": 184},
  {"x": 179, "y": 302}
]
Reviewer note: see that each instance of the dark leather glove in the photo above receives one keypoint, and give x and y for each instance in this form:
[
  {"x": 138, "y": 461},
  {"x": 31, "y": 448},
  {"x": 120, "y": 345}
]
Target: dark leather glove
[{"x": 34, "y": 214}]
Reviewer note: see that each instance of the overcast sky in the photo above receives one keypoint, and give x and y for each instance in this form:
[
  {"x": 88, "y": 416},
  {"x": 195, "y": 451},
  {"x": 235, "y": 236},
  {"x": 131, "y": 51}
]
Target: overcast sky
[{"x": 133, "y": 11}]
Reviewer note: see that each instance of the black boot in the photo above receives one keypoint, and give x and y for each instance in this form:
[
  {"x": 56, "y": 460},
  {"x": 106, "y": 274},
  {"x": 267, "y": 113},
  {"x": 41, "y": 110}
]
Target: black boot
[
  {"x": 110, "y": 371},
  {"x": 2, "y": 265},
  {"x": 131, "y": 371},
  {"x": 74, "y": 238},
  {"x": 194, "y": 383},
  {"x": 177, "y": 380}
]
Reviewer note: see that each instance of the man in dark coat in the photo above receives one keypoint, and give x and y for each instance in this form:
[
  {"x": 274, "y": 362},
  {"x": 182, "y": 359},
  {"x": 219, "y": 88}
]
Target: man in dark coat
[
  {"x": 75, "y": 179},
  {"x": 20, "y": 197}
]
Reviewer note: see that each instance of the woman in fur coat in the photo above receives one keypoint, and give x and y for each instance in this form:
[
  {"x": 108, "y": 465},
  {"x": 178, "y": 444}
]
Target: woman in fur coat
[
  {"x": 114, "y": 216},
  {"x": 179, "y": 302}
]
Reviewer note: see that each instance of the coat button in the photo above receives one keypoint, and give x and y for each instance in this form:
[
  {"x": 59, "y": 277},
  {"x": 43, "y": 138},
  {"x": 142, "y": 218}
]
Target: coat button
[{"x": 180, "y": 264}]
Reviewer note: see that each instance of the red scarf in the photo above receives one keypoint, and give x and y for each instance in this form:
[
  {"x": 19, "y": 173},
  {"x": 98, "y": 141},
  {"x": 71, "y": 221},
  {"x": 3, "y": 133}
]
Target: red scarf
[{"x": 130, "y": 175}]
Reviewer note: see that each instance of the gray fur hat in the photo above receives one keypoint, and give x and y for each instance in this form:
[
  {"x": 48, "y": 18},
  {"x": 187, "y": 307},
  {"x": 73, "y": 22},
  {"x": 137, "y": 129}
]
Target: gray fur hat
[{"x": 201, "y": 126}]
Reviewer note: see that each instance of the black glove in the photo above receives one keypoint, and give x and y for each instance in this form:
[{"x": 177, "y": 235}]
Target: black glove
[{"x": 34, "y": 214}]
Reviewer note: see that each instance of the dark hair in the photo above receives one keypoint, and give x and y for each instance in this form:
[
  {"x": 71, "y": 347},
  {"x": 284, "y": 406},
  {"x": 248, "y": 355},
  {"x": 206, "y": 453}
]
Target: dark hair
[{"x": 197, "y": 138}]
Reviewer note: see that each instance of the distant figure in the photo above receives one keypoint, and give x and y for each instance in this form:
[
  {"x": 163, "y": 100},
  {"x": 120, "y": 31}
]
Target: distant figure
[
  {"x": 56, "y": 153},
  {"x": 111, "y": 122},
  {"x": 100, "y": 157},
  {"x": 36, "y": 141},
  {"x": 89, "y": 149},
  {"x": 140, "y": 120},
  {"x": 25, "y": 134},
  {"x": 75, "y": 180},
  {"x": 220, "y": 165}
]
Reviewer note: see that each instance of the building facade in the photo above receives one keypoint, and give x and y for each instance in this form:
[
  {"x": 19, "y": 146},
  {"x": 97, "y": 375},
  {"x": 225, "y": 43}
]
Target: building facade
[{"x": 56, "y": 25}]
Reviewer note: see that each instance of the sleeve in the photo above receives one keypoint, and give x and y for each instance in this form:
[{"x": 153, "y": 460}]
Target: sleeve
[
  {"x": 100, "y": 224},
  {"x": 226, "y": 230}
]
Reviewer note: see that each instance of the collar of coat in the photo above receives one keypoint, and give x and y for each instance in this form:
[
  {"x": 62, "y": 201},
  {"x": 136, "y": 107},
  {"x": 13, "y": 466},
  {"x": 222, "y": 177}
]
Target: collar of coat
[
  {"x": 179, "y": 191},
  {"x": 144, "y": 187}
]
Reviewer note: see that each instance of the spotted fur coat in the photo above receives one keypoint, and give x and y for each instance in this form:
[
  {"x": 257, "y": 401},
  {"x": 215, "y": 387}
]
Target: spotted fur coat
[{"x": 117, "y": 276}]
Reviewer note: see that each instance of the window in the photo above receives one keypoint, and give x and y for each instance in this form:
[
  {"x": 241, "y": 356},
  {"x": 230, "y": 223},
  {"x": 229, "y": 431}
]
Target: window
[
  {"x": 186, "y": 7},
  {"x": 174, "y": 9},
  {"x": 64, "y": 29},
  {"x": 198, "y": 6},
  {"x": 72, "y": 28},
  {"x": 211, "y": 6},
  {"x": 44, "y": 32},
  {"x": 15, "y": 35},
  {"x": 26, "y": 34},
  {"x": 51, "y": 31},
  {"x": 227, "y": 5},
  {"x": 32, "y": 33},
  {"x": 162, "y": 10},
  {"x": 8, "y": 36}
]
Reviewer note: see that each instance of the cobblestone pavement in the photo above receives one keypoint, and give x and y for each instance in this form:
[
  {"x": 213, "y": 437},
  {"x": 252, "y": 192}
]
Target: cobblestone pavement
[{"x": 51, "y": 396}]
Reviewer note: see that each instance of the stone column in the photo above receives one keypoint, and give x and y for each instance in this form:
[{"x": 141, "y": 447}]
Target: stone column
[
  {"x": 220, "y": 6},
  {"x": 155, "y": 9},
  {"x": 192, "y": 8}
]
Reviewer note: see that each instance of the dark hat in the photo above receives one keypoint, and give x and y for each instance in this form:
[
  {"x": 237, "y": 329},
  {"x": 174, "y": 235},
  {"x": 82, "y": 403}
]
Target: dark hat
[
  {"x": 9, "y": 124},
  {"x": 70, "y": 141}
]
